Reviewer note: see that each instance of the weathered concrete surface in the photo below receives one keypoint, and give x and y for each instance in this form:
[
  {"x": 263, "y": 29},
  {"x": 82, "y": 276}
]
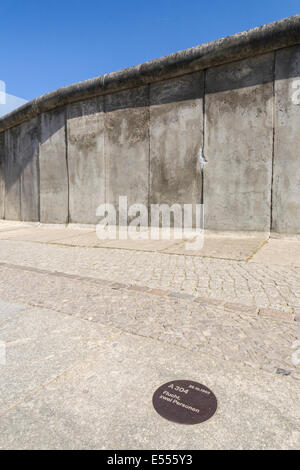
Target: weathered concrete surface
[
  {"x": 286, "y": 178},
  {"x": 29, "y": 157},
  {"x": 240, "y": 248},
  {"x": 85, "y": 130},
  {"x": 280, "y": 252},
  {"x": 238, "y": 145},
  {"x": 53, "y": 168},
  {"x": 127, "y": 146},
  {"x": 43, "y": 234},
  {"x": 22, "y": 172},
  {"x": 2, "y": 174},
  {"x": 176, "y": 139},
  {"x": 13, "y": 170}
]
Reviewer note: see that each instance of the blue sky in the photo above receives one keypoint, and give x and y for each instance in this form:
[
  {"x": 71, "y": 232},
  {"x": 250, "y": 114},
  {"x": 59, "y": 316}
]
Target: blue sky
[{"x": 49, "y": 44}]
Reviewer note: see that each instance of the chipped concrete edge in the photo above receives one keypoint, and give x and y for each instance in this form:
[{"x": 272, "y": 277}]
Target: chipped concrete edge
[{"x": 260, "y": 40}]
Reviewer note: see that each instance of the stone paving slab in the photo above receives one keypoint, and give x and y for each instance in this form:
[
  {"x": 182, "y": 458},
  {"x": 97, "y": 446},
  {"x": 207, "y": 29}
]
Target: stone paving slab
[
  {"x": 280, "y": 252},
  {"x": 7, "y": 226},
  {"x": 41, "y": 234},
  {"x": 222, "y": 247},
  {"x": 235, "y": 248},
  {"x": 91, "y": 240},
  {"x": 104, "y": 400}
]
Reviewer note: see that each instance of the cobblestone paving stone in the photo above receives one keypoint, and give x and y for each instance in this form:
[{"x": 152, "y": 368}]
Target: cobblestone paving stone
[
  {"x": 232, "y": 281},
  {"x": 230, "y": 335}
]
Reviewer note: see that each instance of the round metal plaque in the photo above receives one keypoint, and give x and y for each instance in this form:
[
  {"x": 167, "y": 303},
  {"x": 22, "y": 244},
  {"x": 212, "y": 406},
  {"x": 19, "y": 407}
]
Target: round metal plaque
[{"x": 185, "y": 402}]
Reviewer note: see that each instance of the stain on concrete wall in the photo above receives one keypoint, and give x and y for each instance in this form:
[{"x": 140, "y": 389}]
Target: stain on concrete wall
[
  {"x": 85, "y": 131},
  {"x": 54, "y": 193},
  {"x": 176, "y": 139},
  {"x": 239, "y": 145},
  {"x": 29, "y": 159},
  {"x": 286, "y": 179},
  {"x": 127, "y": 146},
  {"x": 2, "y": 176},
  {"x": 22, "y": 172},
  {"x": 13, "y": 171}
]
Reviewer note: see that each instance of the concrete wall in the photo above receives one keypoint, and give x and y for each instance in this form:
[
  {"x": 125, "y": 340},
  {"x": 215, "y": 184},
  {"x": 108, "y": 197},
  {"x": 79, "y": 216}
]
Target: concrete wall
[
  {"x": 176, "y": 138},
  {"x": 54, "y": 183},
  {"x": 127, "y": 146},
  {"x": 63, "y": 156},
  {"x": 2, "y": 177},
  {"x": 239, "y": 145},
  {"x": 286, "y": 178},
  {"x": 86, "y": 164}
]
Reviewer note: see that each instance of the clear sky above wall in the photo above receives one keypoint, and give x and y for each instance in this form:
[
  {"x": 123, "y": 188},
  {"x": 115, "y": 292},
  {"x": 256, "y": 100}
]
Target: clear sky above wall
[{"x": 48, "y": 44}]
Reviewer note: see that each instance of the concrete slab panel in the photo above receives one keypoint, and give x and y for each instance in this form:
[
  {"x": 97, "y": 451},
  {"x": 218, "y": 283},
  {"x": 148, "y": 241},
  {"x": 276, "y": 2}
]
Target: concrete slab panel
[
  {"x": 53, "y": 168},
  {"x": 280, "y": 252},
  {"x": 22, "y": 172},
  {"x": 221, "y": 247},
  {"x": 29, "y": 157},
  {"x": 6, "y": 225},
  {"x": 13, "y": 171},
  {"x": 238, "y": 145},
  {"x": 91, "y": 240},
  {"x": 85, "y": 130},
  {"x": 176, "y": 139},
  {"x": 41, "y": 234},
  {"x": 286, "y": 180},
  {"x": 127, "y": 146},
  {"x": 2, "y": 177}
]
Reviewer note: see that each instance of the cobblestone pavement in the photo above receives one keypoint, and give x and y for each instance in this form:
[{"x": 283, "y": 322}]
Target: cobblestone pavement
[
  {"x": 241, "y": 282},
  {"x": 241, "y": 338}
]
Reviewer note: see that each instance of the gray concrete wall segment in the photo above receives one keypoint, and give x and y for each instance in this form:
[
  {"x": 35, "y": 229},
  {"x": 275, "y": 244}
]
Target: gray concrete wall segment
[
  {"x": 86, "y": 166},
  {"x": 127, "y": 146},
  {"x": 2, "y": 175},
  {"x": 12, "y": 172},
  {"x": 239, "y": 145},
  {"x": 53, "y": 168},
  {"x": 29, "y": 157},
  {"x": 286, "y": 180},
  {"x": 176, "y": 139}
]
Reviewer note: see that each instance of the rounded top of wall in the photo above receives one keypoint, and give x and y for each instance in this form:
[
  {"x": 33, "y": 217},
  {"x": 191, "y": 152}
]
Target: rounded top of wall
[{"x": 261, "y": 40}]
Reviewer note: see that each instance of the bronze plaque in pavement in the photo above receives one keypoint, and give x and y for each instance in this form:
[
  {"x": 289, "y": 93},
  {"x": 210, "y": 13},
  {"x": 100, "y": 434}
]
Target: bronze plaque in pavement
[{"x": 185, "y": 402}]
